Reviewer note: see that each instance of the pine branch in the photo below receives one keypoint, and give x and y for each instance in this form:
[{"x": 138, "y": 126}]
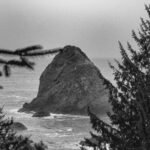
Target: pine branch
[
  {"x": 133, "y": 52},
  {"x": 7, "y": 71},
  {"x": 28, "y": 52},
  {"x": 27, "y": 63},
  {"x": 97, "y": 123},
  {"x": 29, "y": 49},
  {"x": 147, "y": 8},
  {"x": 135, "y": 37},
  {"x": 144, "y": 26},
  {"x": 7, "y": 52},
  {"x": 46, "y": 52}
]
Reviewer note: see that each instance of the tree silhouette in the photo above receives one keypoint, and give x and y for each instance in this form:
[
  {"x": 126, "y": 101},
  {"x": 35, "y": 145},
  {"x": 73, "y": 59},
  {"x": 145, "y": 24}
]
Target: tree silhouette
[{"x": 130, "y": 99}]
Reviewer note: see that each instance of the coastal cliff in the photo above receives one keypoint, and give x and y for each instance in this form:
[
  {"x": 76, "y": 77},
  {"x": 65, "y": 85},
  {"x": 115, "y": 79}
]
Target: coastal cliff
[{"x": 69, "y": 84}]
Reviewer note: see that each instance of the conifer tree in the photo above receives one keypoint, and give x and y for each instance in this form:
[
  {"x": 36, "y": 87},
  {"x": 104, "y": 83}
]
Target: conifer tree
[{"x": 130, "y": 99}]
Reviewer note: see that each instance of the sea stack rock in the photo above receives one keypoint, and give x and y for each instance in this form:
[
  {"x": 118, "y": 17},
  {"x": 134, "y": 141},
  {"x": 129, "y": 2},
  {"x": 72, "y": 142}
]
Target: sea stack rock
[{"x": 68, "y": 85}]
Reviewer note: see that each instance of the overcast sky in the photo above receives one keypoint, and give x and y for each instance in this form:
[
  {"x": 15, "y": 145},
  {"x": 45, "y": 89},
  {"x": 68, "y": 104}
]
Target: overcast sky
[{"x": 93, "y": 25}]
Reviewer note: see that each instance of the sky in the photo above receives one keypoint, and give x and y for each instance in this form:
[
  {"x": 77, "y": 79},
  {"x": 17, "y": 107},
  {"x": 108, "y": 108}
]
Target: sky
[{"x": 93, "y": 25}]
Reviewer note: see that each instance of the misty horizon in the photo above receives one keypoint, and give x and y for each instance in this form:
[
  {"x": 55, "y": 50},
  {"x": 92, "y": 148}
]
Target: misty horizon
[{"x": 94, "y": 26}]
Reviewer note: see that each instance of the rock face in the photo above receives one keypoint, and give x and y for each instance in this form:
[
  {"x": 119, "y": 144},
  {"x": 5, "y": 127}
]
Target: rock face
[
  {"x": 69, "y": 84},
  {"x": 17, "y": 126},
  {"x": 41, "y": 114}
]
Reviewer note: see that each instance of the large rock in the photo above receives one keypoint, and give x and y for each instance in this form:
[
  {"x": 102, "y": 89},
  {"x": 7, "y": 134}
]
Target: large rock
[
  {"x": 17, "y": 126},
  {"x": 69, "y": 84},
  {"x": 41, "y": 114}
]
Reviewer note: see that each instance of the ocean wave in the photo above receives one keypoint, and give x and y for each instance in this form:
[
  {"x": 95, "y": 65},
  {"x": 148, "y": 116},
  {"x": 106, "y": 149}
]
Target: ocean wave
[
  {"x": 17, "y": 114},
  {"x": 68, "y": 116},
  {"x": 52, "y": 134},
  {"x": 69, "y": 129},
  {"x": 62, "y": 117},
  {"x": 49, "y": 117},
  {"x": 18, "y": 97},
  {"x": 56, "y": 134},
  {"x": 65, "y": 130}
]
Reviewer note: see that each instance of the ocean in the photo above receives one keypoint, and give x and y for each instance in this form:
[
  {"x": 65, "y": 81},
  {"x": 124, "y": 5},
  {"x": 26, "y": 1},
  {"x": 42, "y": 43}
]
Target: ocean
[{"x": 58, "y": 131}]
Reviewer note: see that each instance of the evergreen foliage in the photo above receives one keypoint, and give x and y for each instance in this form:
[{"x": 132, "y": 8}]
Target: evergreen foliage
[{"x": 130, "y": 99}]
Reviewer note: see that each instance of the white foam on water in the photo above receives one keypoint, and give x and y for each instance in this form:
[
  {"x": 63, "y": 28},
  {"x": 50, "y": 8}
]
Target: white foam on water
[
  {"x": 52, "y": 134},
  {"x": 49, "y": 117},
  {"x": 52, "y": 115},
  {"x": 14, "y": 112},
  {"x": 35, "y": 129},
  {"x": 70, "y": 129},
  {"x": 18, "y": 97},
  {"x": 63, "y": 135},
  {"x": 63, "y": 116},
  {"x": 67, "y": 115}
]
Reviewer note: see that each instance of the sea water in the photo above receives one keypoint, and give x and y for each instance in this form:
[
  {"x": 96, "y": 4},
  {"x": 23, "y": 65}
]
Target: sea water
[{"x": 58, "y": 131}]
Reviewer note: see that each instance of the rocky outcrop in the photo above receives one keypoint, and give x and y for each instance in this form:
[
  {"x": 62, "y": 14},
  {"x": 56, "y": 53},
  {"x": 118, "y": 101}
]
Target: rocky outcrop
[
  {"x": 69, "y": 84},
  {"x": 41, "y": 114},
  {"x": 17, "y": 126}
]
